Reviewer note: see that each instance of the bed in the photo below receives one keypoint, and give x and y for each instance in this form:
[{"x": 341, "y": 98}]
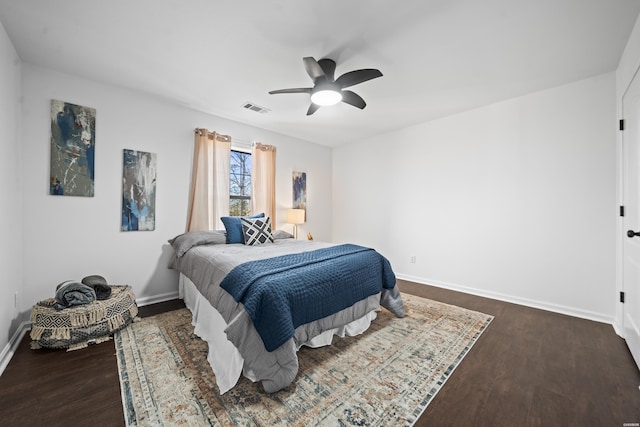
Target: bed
[{"x": 257, "y": 305}]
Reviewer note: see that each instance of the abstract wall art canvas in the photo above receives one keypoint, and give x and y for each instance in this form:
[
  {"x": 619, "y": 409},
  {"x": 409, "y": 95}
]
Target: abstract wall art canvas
[
  {"x": 73, "y": 143},
  {"x": 299, "y": 190},
  {"x": 138, "y": 191}
]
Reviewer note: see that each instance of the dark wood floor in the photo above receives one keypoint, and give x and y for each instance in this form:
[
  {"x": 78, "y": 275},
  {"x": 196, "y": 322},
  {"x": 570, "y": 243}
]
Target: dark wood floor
[{"x": 529, "y": 368}]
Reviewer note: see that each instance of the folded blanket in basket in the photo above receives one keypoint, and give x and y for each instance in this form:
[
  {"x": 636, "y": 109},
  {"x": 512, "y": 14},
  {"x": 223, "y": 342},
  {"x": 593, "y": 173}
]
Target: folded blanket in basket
[
  {"x": 99, "y": 285},
  {"x": 71, "y": 292}
]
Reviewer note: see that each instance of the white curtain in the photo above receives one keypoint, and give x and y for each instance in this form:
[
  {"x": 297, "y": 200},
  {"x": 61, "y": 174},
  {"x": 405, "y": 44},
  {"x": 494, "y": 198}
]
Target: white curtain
[
  {"x": 263, "y": 180},
  {"x": 209, "y": 193}
]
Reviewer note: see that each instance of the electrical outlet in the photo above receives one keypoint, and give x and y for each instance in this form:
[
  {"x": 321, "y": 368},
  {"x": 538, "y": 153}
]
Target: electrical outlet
[{"x": 413, "y": 259}]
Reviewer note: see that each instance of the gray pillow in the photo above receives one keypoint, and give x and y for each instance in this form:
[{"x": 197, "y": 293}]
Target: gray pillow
[
  {"x": 281, "y": 234},
  {"x": 182, "y": 243}
]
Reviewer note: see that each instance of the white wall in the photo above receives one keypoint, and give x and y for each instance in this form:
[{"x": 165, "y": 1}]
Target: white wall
[
  {"x": 71, "y": 237},
  {"x": 11, "y": 211},
  {"x": 627, "y": 68},
  {"x": 515, "y": 200}
]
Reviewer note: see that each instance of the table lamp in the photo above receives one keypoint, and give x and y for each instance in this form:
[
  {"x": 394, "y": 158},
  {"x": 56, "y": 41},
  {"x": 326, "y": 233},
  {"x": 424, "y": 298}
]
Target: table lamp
[{"x": 295, "y": 217}]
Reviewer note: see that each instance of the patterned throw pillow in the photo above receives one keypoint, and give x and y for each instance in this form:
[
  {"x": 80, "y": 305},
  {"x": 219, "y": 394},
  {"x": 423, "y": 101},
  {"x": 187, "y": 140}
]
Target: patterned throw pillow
[
  {"x": 234, "y": 227},
  {"x": 256, "y": 230}
]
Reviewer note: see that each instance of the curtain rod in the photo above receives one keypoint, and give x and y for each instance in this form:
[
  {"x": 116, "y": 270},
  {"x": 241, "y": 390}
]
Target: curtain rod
[
  {"x": 211, "y": 135},
  {"x": 225, "y": 138}
]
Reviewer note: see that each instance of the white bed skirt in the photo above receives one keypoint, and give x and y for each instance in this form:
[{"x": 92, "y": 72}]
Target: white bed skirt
[{"x": 224, "y": 358}]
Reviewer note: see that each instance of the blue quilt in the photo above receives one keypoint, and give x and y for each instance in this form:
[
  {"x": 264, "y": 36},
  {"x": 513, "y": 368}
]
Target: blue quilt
[{"x": 284, "y": 292}]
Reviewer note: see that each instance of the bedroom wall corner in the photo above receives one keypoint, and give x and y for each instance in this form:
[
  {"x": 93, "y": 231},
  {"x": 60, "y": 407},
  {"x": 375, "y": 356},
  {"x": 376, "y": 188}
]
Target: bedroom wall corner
[
  {"x": 315, "y": 160},
  {"x": 515, "y": 199},
  {"x": 13, "y": 311}
]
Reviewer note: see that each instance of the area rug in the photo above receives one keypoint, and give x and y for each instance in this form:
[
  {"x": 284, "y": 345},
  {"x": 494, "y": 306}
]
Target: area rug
[{"x": 386, "y": 376}]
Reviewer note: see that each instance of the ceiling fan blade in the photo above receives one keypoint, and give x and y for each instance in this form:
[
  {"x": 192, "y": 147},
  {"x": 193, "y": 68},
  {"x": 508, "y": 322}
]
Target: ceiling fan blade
[
  {"x": 294, "y": 90},
  {"x": 314, "y": 69},
  {"x": 329, "y": 68},
  {"x": 312, "y": 109},
  {"x": 353, "y": 98},
  {"x": 358, "y": 76}
]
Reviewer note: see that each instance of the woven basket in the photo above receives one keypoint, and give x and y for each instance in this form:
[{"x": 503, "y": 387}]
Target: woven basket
[{"x": 76, "y": 327}]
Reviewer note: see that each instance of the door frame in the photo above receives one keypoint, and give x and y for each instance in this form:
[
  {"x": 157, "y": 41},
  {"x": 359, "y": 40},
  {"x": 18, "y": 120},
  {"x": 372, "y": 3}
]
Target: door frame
[{"x": 618, "y": 323}]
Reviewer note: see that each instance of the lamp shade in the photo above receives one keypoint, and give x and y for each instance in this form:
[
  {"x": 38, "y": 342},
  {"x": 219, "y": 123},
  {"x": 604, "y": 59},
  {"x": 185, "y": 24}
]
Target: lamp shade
[{"x": 295, "y": 216}]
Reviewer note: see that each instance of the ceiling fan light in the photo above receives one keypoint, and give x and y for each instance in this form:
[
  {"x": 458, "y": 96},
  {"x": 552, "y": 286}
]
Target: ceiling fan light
[{"x": 326, "y": 97}]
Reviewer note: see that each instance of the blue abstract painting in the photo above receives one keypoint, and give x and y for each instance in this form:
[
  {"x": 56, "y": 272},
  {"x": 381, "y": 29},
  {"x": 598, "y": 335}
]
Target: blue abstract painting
[
  {"x": 299, "y": 190},
  {"x": 138, "y": 191},
  {"x": 73, "y": 143}
]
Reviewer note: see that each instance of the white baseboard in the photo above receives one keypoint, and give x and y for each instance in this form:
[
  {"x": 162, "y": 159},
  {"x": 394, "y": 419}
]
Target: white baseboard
[
  {"x": 570, "y": 311},
  {"x": 156, "y": 299},
  {"x": 11, "y": 347},
  {"x": 619, "y": 329}
]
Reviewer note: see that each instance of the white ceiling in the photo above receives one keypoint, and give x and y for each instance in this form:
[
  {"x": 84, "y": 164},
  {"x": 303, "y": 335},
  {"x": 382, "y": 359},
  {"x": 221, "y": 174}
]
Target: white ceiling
[{"x": 438, "y": 57}]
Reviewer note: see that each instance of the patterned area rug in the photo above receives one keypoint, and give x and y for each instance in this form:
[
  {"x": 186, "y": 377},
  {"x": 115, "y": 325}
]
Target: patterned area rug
[{"x": 386, "y": 376}]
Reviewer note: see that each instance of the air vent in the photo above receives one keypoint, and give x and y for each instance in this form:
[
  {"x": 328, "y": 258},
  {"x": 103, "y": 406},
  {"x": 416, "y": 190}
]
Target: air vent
[{"x": 256, "y": 108}]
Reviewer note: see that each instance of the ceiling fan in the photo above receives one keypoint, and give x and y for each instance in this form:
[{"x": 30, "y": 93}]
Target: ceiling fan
[{"x": 329, "y": 91}]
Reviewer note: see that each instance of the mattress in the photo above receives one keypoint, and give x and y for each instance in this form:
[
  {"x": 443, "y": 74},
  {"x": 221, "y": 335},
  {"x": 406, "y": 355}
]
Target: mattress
[
  {"x": 225, "y": 359},
  {"x": 236, "y": 346}
]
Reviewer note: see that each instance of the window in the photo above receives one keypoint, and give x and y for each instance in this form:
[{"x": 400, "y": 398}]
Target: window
[{"x": 240, "y": 184}]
